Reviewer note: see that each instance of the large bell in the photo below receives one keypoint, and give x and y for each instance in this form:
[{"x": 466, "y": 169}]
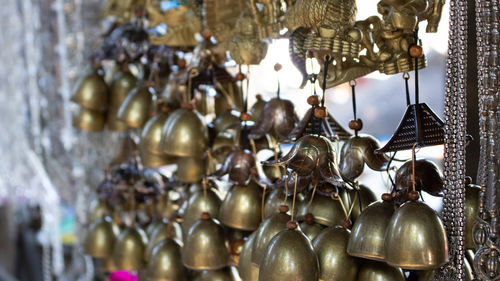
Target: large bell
[
  {"x": 289, "y": 256},
  {"x": 92, "y": 92},
  {"x": 122, "y": 84},
  {"x": 89, "y": 120},
  {"x": 246, "y": 270},
  {"x": 365, "y": 195},
  {"x": 310, "y": 228},
  {"x": 185, "y": 134},
  {"x": 266, "y": 231},
  {"x": 205, "y": 246},
  {"x": 241, "y": 209},
  {"x": 129, "y": 249},
  {"x": 165, "y": 262},
  {"x": 197, "y": 204},
  {"x": 137, "y": 107},
  {"x": 415, "y": 238},
  {"x": 368, "y": 232},
  {"x": 152, "y": 132},
  {"x": 471, "y": 210},
  {"x": 380, "y": 271},
  {"x": 190, "y": 169},
  {"x": 326, "y": 211},
  {"x": 160, "y": 233},
  {"x": 334, "y": 262},
  {"x": 101, "y": 238}
]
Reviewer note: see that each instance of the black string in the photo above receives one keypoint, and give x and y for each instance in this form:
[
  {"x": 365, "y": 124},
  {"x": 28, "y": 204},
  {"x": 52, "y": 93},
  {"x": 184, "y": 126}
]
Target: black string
[
  {"x": 408, "y": 101},
  {"x": 325, "y": 72},
  {"x": 353, "y": 87},
  {"x": 388, "y": 173},
  {"x": 416, "y": 68},
  {"x": 279, "y": 89}
]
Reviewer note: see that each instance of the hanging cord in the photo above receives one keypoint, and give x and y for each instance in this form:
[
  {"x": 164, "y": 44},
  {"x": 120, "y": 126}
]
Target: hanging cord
[
  {"x": 325, "y": 73},
  {"x": 312, "y": 195},
  {"x": 294, "y": 194},
  {"x": 262, "y": 203},
  {"x": 388, "y": 170},
  {"x": 406, "y": 77},
  {"x": 353, "y": 89},
  {"x": 315, "y": 122},
  {"x": 286, "y": 185},
  {"x": 413, "y": 161}
]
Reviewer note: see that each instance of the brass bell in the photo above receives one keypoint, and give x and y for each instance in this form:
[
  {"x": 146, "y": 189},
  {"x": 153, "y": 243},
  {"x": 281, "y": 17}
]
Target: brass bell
[
  {"x": 214, "y": 275},
  {"x": 92, "y": 93},
  {"x": 165, "y": 262},
  {"x": 246, "y": 270},
  {"x": 122, "y": 84},
  {"x": 223, "y": 145},
  {"x": 137, "y": 107},
  {"x": 190, "y": 169},
  {"x": 372, "y": 270},
  {"x": 365, "y": 195},
  {"x": 334, "y": 262},
  {"x": 273, "y": 173},
  {"x": 368, "y": 232},
  {"x": 89, "y": 120},
  {"x": 257, "y": 108},
  {"x": 152, "y": 227},
  {"x": 101, "y": 238},
  {"x": 185, "y": 134},
  {"x": 241, "y": 209},
  {"x": 276, "y": 198},
  {"x": 205, "y": 246},
  {"x": 418, "y": 223},
  {"x": 152, "y": 132},
  {"x": 266, "y": 231},
  {"x": 225, "y": 120},
  {"x": 290, "y": 256},
  {"x": 471, "y": 210},
  {"x": 160, "y": 233},
  {"x": 99, "y": 208},
  {"x": 129, "y": 249},
  {"x": 197, "y": 204},
  {"x": 150, "y": 160},
  {"x": 326, "y": 211},
  {"x": 107, "y": 264},
  {"x": 310, "y": 228}
]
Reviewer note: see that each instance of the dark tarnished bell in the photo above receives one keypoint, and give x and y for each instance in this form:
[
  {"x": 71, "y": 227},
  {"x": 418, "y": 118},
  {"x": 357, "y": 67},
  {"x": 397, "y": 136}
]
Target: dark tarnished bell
[
  {"x": 239, "y": 165},
  {"x": 129, "y": 249},
  {"x": 92, "y": 92},
  {"x": 101, "y": 238},
  {"x": 334, "y": 262},
  {"x": 420, "y": 224},
  {"x": 278, "y": 117},
  {"x": 372, "y": 270},
  {"x": 165, "y": 262},
  {"x": 241, "y": 209},
  {"x": 289, "y": 256},
  {"x": 471, "y": 211},
  {"x": 266, "y": 231},
  {"x": 428, "y": 178}
]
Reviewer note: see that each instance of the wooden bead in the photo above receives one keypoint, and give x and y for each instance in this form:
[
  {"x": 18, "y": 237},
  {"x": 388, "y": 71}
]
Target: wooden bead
[
  {"x": 240, "y": 76},
  {"x": 277, "y": 67},
  {"x": 205, "y": 216},
  {"x": 320, "y": 112},
  {"x": 206, "y": 34},
  {"x": 237, "y": 246},
  {"x": 355, "y": 125},
  {"x": 413, "y": 195},
  {"x": 245, "y": 116},
  {"x": 313, "y": 100},
  {"x": 283, "y": 208},
  {"x": 181, "y": 63},
  {"x": 416, "y": 51},
  {"x": 387, "y": 197},
  {"x": 292, "y": 225}
]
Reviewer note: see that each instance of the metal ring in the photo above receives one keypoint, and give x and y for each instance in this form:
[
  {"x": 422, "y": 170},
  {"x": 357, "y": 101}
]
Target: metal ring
[
  {"x": 352, "y": 82},
  {"x": 406, "y": 75}
]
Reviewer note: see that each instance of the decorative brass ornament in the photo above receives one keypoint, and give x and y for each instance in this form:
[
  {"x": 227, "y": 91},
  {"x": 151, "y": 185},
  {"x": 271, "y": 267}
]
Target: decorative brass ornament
[
  {"x": 428, "y": 178},
  {"x": 416, "y": 222},
  {"x": 278, "y": 118},
  {"x": 165, "y": 262},
  {"x": 89, "y": 120},
  {"x": 101, "y": 238},
  {"x": 205, "y": 246},
  {"x": 137, "y": 107},
  {"x": 92, "y": 92},
  {"x": 185, "y": 134},
  {"x": 245, "y": 268},
  {"x": 122, "y": 84},
  {"x": 240, "y": 165},
  {"x": 471, "y": 212},
  {"x": 241, "y": 209},
  {"x": 334, "y": 262},
  {"x": 129, "y": 249},
  {"x": 152, "y": 133},
  {"x": 371, "y": 270},
  {"x": 266, "y": 231},
  {"x": 273, "y": 173},
  {"x": 289, "y": 256},
  {"x": 197, "y": 204}
]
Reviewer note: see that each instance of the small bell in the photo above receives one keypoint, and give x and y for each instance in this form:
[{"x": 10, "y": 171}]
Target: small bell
[
  {"x": 309, "y": 228},
  {"x": 352, "y": 197},
  {"x": 165, "y": 262},
  {"x": 129, "y": 249},
  {"x": 137, "y": 107},
  {"x": 150, "y": 160},
  {"x": 89, "y": 120},
  {"x": 152, "y": 132},
  {"x": 185, "y": 134},
  {"x": 160, "y": 233},
  {"x": 197, "y": 204},
  {"x": 372, "y": 270},
  {"x": 326, "y": 211},
  {"x": 122, "y": 84},
  {"x": 98, "y": 209},
  {"x": 241, "y": 209},
  {"x": 101, "y": 238},
  {"x": 92, "y": 93},
  {"x": 276, "y": 198}
]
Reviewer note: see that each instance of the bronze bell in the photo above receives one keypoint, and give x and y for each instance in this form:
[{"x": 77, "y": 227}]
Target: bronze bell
[
  {"x": 137, "y": 107},
  {"x": 197, "y": 204},
  {"x": 205, "y": 247},
  {"x": 214, "y": 275},
  {"x": 326, "y": 211},
  {"x": 246, "y": 270},
  {"x": 101, "y": 238},
  {"x": 351, "y": 197},
  {"x": 289, "y": 256},
  {"x": 122, "y": 84},
  {"x": 428, "y": 178},
  {"x": 225, "y": 120},
  {"x": 273, "y": 173},
  {"x": 129, "y": 249},
  {"x": 471, "y": 211},
  {"x": 190, "y": 169},
  {"x": 98, "y": 209},
  {"x": 152, "y": 132},
  {"x": 89, "y": 120},
  {"x": 160, "y": 233},
  {"x": 241, "y": 209},
  {"x": 240, "y": 165},
  {"x": 418, "y": 223},
  {"x": 372, "y": 270},
  {"x": 92, "y": 92},
  {"x": 266, "y": 231},
  {"x": 278, "y": 117},
  {"x": 185, "y": 134},
  {"x": 310, "y": 228},
  {"x": 165, "y": 262},
  {"x": 150, "y": 160},
  {"x": 368, "y": 232},
  {"x": 334, "y": 262}
]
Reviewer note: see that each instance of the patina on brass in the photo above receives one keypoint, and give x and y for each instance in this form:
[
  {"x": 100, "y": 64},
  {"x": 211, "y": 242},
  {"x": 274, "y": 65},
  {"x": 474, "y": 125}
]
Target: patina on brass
[
  {"x": 241, "y": 209},
  {"x": 185, "y": 134},
  {"x": 122, "y": 84},
  {"x": 418, "y": 223},
  {"x": 129, "y": 249},
  {"x": 245, "y": 262},
  {"x": 152, "y": 133},
  {"x": 92, "y": 92},
  {"x": 266, "y": 231},
  {"x": 137, "y": 107},
  {"x": 197, "y": 204},
  {"x": 471, "y": 212},
  {"x": 89, "y": 120},
  {"x": 205, "y": 246},
  {"x": 372, "y": 270},
  {"x": 334, "y": 262},
  {"x": 101, "y": 238},
  {"x": 289, "y": 256},
  {"x": 278, "y": 117},
  {"x": 165, "y": 262}
]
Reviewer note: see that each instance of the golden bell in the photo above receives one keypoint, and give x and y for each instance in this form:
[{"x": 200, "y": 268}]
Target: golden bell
[
  {"x": 415, "y": 238},
  {"x": 197, "y": 204},
  {"x": 368, "y": 232},
  {"x": 266, "y": 231},
  {"x": 101, "y": 238},
  {"x": 137, "y": 107},
  {"x": 241, "y": 209},
  {"x": 129, "y": 249},
  {"x": 471, "y": 211},
  {"x": 380, "y": 271},
  {"x": 185, "y": 134},
  {"x": 334, "y": 262},
  {"x": 122, "y": 84},
  {"x": 165, "y": 262},
  {"x": 214, "y": 275},
  {"x": 205, "y": 246},
  {"x": 107, "y": 264},
  {"x": 223, "y": 145},
  {"x": 351, "y": 197},
  {"x": 326, "y": 211},
  {"x": 276, "y": 198},
  {"x": 309, "y": 228},
  {"x": 152, "y": 132},
  {"x": 289, "y": 256},
  {"x": 225, "y": 120},
  {"x": 99, "y": 208},
  {"x": 190, "y": 170},
  {"x": 245, "y": 262},
  {"x": 115, "y": 125},
  {"x": 89, "y": 120},
  {"x": 160, "y": 233},
  {"x": 150, "y": 160},
  {"x": 92, "y": 93},
  {"x": 152, "y": 227}
]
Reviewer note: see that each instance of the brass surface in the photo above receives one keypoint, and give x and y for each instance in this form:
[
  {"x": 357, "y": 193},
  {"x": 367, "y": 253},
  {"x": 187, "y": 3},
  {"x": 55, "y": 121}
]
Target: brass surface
[
  {"x": 160, "y": 233},
  {"x": 428, "y": 178},
  {"x": 152, "y": 133},
  {"x": 278, "y": 117},
  {"x": 245, "y": 262},
  {"x": 380, "y": 271},
  {"x": 471, "y": 213},
  {"x": 205, "y": 247},
  {"x": 151, "y": 160},
  {"x": 107, "y": 264},
  {"x": 241, "y": 209},
  {"x": 137, "y": 107},
  {"x": 101, "y": 238},
  {"x": 214, "y": 275},
  {"x": 89, "y": 120},
  {"x": 266, "y": 231},
  {"x": 98, "y": 209},
  {"x": 289, "y": 256},
  {"x": 197, "y": 204},
  {"x": 129, "y": 249},
  {"x": 367, "y": 197},
  {"x": 225, "y": 120},
  {"x": 165, "y": 263},
  {"x": 311, "y": 230},
  {"x": 257, "y": 108},
  {"x": 122, "y": 84},
  {"x": 368, "y": 232},
  {"x": 418, "y": 223},
  {"x": 190, "y": 169},
  {"x": 114, "y": 124},
  {"x": 185, "y": 134},
  {"x": 326, "y": 211},
  {"x": 334, "y": 262},
  {"x": 92, "y": 93}
]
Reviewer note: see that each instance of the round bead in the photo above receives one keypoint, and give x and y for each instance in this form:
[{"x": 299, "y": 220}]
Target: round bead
[
  {"x": 309, "y": 218},
  {"x": 240, "y": 76},
  {"x": 320, "y": 112},
  {"x": 205, "y": 216},
  {"x": 181, "y": 63},
  {"x": 415, "y": 51},
  {"x": 413, "y": 195},
  {"x": 387, "y": 197},
  {"x": 277, "y": 67},
  {"x": 206, "y": 34},
  {"x": 346, "y": 223},
  {"x": 356, "y": 125},
  {"x": 291, "y": 225},
  {"x": 245, "y": 116},
  {"x": 313, "y": 100}
]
